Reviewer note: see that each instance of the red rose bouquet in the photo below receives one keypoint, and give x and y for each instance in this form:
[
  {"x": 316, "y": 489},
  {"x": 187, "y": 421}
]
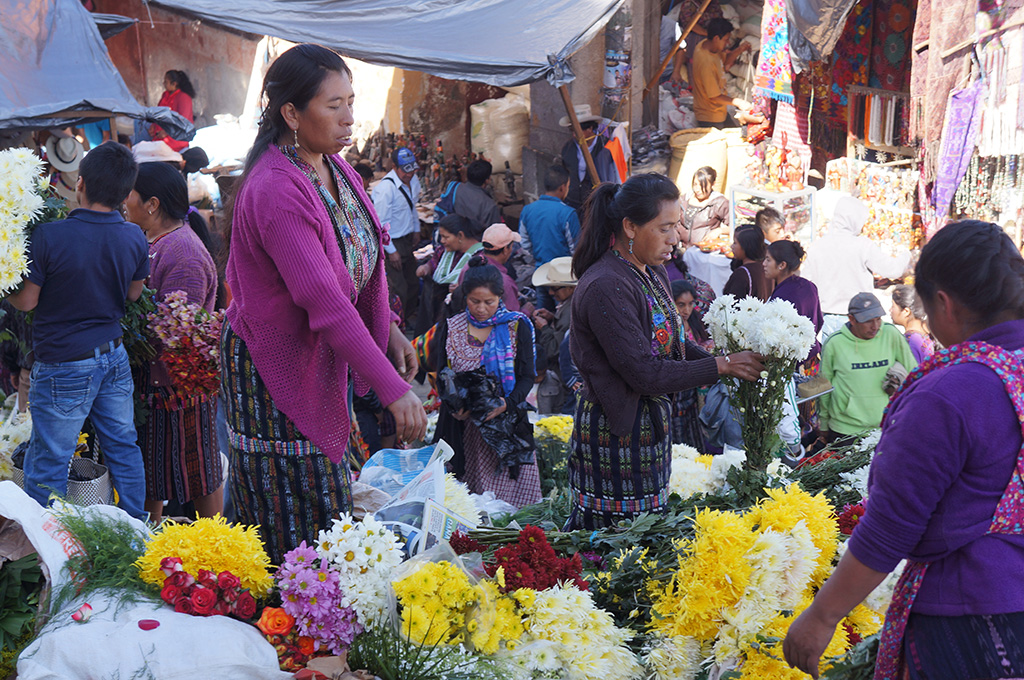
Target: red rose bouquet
[{"x": 206, "y": 593}]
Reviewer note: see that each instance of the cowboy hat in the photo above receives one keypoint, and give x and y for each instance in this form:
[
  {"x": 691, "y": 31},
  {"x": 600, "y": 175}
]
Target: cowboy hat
[
  {"x": 583, "y": 113},
  {"x": 64, "y": 153},
  {"x": 557, "y": 273}
]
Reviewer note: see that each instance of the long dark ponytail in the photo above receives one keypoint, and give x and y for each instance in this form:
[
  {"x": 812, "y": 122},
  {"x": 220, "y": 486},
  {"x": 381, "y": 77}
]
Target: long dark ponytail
[
  {"x": 638, "y": 200},
  {"x": 180, "y": 78},
  {"x": 295, "y": 77}
]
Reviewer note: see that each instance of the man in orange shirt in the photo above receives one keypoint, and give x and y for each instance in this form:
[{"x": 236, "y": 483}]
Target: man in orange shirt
[{"x": 710, "y": 61}]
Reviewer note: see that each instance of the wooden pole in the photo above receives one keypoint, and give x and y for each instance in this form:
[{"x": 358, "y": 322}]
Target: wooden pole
[
  {"x": 580, "y": 137},
  {"x": 675, "y": 48}
]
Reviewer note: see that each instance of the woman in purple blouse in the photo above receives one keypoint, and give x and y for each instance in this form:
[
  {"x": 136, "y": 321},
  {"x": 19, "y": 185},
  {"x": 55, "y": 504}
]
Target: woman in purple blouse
[
  {"x": 782, "y": 268},
  {"x": 945, "y": 491},
  {"x": 908, "y": 313}
]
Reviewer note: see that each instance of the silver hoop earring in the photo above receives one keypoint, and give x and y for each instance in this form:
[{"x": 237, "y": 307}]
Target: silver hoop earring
[
  {"x": 630, "y": 246},
  {"x": 296, "y": 133}
]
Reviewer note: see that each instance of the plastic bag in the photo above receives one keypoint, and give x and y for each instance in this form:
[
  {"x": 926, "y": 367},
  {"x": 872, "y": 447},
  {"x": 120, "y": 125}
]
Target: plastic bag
[
  {"x": 111, "y": 643},
  {"x": 403, "y": 514},
  {"x": 510, "y": 434}
]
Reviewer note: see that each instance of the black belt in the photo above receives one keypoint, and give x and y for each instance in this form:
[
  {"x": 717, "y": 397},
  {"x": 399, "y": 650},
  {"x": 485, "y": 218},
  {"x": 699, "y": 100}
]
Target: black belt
[{"x": 105, "y": 348}]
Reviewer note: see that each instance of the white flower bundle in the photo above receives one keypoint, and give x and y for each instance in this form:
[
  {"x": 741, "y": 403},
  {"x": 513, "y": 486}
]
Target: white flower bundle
[
  {"x": 21, "y": 201},
  {"x": 776, "y": 331}
]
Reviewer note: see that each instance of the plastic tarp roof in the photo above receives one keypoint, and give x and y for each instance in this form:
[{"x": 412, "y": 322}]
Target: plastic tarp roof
[
  {"x": 499, "y": 42},
  {"x": 52, "y": 59},
  {"x": 814, "y": 28}
]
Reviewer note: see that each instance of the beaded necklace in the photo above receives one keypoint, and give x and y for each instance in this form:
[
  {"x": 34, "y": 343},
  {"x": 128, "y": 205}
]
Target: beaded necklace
[
  {"x": 352, "y": 223},
  {"x": 665, "y": 322}
]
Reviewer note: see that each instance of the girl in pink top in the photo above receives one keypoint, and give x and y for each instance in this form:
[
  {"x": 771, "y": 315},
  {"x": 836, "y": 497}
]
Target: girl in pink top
[{"x": 309, "y": 321}]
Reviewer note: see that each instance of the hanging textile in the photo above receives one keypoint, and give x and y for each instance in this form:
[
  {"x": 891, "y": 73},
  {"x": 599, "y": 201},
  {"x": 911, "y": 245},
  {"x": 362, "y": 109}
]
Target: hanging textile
[
  {"x": 919, "y": 66},
  {"x": 851, "y": 59},
  {"x": 892, "y": 33},
  {"x": 774, "y": 71},
  {"x": 951, "y": 23},
  {"x": 791, "y": 131},
  {"x": 963, "y": 118}
]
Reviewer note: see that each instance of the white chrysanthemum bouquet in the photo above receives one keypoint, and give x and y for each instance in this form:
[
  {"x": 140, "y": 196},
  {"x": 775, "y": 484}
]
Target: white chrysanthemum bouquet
[
  {"x": 26, "y": 200},
  {"x": 775, "y": 330}
]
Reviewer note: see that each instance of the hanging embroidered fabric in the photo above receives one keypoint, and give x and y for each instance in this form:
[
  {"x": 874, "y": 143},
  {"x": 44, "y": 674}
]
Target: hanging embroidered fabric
[{"x": 775, "y": 70}]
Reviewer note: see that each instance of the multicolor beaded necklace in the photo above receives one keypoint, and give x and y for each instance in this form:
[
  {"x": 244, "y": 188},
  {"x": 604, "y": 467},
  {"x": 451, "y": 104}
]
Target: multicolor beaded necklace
[
  {"x": 665, "y": 324},
  {"x": 352, "y": 223}
]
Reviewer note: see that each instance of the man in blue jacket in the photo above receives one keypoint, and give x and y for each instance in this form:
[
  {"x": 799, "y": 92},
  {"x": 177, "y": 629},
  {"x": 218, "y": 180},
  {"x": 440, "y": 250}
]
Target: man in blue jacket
[{"x": 550, "y": 228}]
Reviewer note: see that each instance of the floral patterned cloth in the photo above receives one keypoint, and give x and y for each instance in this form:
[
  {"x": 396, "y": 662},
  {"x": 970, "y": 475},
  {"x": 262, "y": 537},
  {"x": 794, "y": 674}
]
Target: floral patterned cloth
[
  {"x": 775, "y": 70},
  {"x": 892, "y": 30},
  {"x": 1009, "y": 514}
]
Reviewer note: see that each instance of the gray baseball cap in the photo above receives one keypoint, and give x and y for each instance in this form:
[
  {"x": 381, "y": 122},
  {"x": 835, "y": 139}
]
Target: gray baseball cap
[{"x": 865, "y": 306}]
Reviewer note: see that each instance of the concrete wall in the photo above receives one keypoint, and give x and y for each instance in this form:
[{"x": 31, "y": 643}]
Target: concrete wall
[{"x": 218, "y": 62}]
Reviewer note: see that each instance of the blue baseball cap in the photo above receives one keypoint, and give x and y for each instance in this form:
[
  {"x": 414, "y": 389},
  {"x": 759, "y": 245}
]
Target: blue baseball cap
[{"x": 405, "y": 160}]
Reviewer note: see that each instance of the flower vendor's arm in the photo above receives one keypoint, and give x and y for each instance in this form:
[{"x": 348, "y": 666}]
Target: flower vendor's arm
[
  {"x": 292, "y": 240},
  {"x": 612, "y": 312},
  {"x": 26, "y": 298},
  {"x": 810, "y": 633}
]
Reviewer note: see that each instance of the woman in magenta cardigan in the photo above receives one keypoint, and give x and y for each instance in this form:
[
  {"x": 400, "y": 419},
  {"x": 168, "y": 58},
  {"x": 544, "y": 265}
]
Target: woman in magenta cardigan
[
  {"x": 310, "y": 319},
  {"x": 945, "y": 490}
]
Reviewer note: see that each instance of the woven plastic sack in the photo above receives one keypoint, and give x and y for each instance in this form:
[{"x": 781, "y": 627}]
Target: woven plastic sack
[
  {"x": 111, "y": 644},
  {"x": 693, "y": 149}
]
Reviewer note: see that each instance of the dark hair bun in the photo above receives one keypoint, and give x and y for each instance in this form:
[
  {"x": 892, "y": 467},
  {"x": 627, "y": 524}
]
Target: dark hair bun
[{"x": 478, "y": 261}]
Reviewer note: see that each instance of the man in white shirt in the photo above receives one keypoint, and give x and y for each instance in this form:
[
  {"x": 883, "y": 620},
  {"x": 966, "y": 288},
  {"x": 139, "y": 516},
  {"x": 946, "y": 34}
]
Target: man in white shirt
[{"x": 395, "y": 198}]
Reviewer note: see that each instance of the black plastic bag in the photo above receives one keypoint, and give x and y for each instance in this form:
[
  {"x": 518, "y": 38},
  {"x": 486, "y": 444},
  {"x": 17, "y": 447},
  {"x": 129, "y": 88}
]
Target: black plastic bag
[{"x": 509, "y": 434}]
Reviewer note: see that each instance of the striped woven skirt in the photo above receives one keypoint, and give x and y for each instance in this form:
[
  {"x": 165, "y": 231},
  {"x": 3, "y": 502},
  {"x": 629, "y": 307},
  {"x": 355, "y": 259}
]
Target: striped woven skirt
[
  {"x": 614, "y": 478},
  {"x": 964, "y": 646},
  {"x": 179, "y": 443},
  {"x": 280, "y": 481}
]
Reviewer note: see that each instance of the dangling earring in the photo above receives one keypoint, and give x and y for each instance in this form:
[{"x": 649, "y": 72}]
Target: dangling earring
[
  {"x": 296, "y": 133},
  {"x": 630, "y": 246}
]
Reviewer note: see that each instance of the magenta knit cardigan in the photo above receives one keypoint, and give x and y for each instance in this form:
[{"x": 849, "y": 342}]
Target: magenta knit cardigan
[{"x": 295, "y": 305}]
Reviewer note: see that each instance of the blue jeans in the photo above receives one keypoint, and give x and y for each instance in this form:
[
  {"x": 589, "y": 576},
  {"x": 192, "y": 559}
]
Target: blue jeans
[{"x": 62, "y": 395}]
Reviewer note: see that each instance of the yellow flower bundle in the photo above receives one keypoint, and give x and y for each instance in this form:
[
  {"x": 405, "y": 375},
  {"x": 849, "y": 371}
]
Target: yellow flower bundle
[
  {"x": 554, "y": 427},
  {"x": 209, "y": 543}
]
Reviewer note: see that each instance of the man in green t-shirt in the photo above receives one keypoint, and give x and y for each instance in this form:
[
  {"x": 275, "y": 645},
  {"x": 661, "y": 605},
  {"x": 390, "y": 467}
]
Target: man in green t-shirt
[{"x": 857, "y": 361}]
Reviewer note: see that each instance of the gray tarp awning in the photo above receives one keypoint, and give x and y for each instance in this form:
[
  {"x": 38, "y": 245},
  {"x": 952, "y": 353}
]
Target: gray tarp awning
[
  {"x": 499, "y": 42},
  {"x": 52, "y": 60},
  {"x": 814, "y": 28},
  {"x": 112, "y": 24}
]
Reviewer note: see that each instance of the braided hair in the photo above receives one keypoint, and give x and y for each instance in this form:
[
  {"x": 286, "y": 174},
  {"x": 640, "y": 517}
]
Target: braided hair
[{"x": 977, "y": 264}]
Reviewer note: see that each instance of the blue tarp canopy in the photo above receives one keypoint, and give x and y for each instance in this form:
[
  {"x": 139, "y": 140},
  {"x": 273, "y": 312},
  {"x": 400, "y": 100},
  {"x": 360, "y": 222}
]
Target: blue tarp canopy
[
  {"x": 54, "y": 66},
  {"x": 499, "y": 42}
]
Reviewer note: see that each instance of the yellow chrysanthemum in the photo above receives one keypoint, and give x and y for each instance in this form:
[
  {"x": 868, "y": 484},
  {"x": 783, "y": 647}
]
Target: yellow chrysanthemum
[
  {"x": 864, "y": 621},
  {"x": 434, "y": 601},
  {"x": 209, "y": 543},
  {"x": 712, "y": 576},
  {"x": 784, "y": 508}
]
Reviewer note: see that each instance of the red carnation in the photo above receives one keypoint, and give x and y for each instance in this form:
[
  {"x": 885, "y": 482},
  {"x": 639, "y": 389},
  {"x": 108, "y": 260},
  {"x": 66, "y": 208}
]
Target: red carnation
[
  {"x": 170, "y": 593},
  {"x": 226, "y": 579},
  {"x": 245, "y": 606},
  {"x": 463, "y": 544},
  {"x": 203, "y": 601}
]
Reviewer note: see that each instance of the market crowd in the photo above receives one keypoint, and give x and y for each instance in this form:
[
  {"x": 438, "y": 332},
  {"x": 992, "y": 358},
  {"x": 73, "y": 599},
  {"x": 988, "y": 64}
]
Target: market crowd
[{"x": 339, "y": 297}]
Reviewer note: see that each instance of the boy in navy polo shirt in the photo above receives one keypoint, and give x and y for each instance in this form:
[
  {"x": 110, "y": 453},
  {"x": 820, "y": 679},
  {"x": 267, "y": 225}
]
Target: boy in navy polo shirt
[{"x": 81, "y": 271}]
